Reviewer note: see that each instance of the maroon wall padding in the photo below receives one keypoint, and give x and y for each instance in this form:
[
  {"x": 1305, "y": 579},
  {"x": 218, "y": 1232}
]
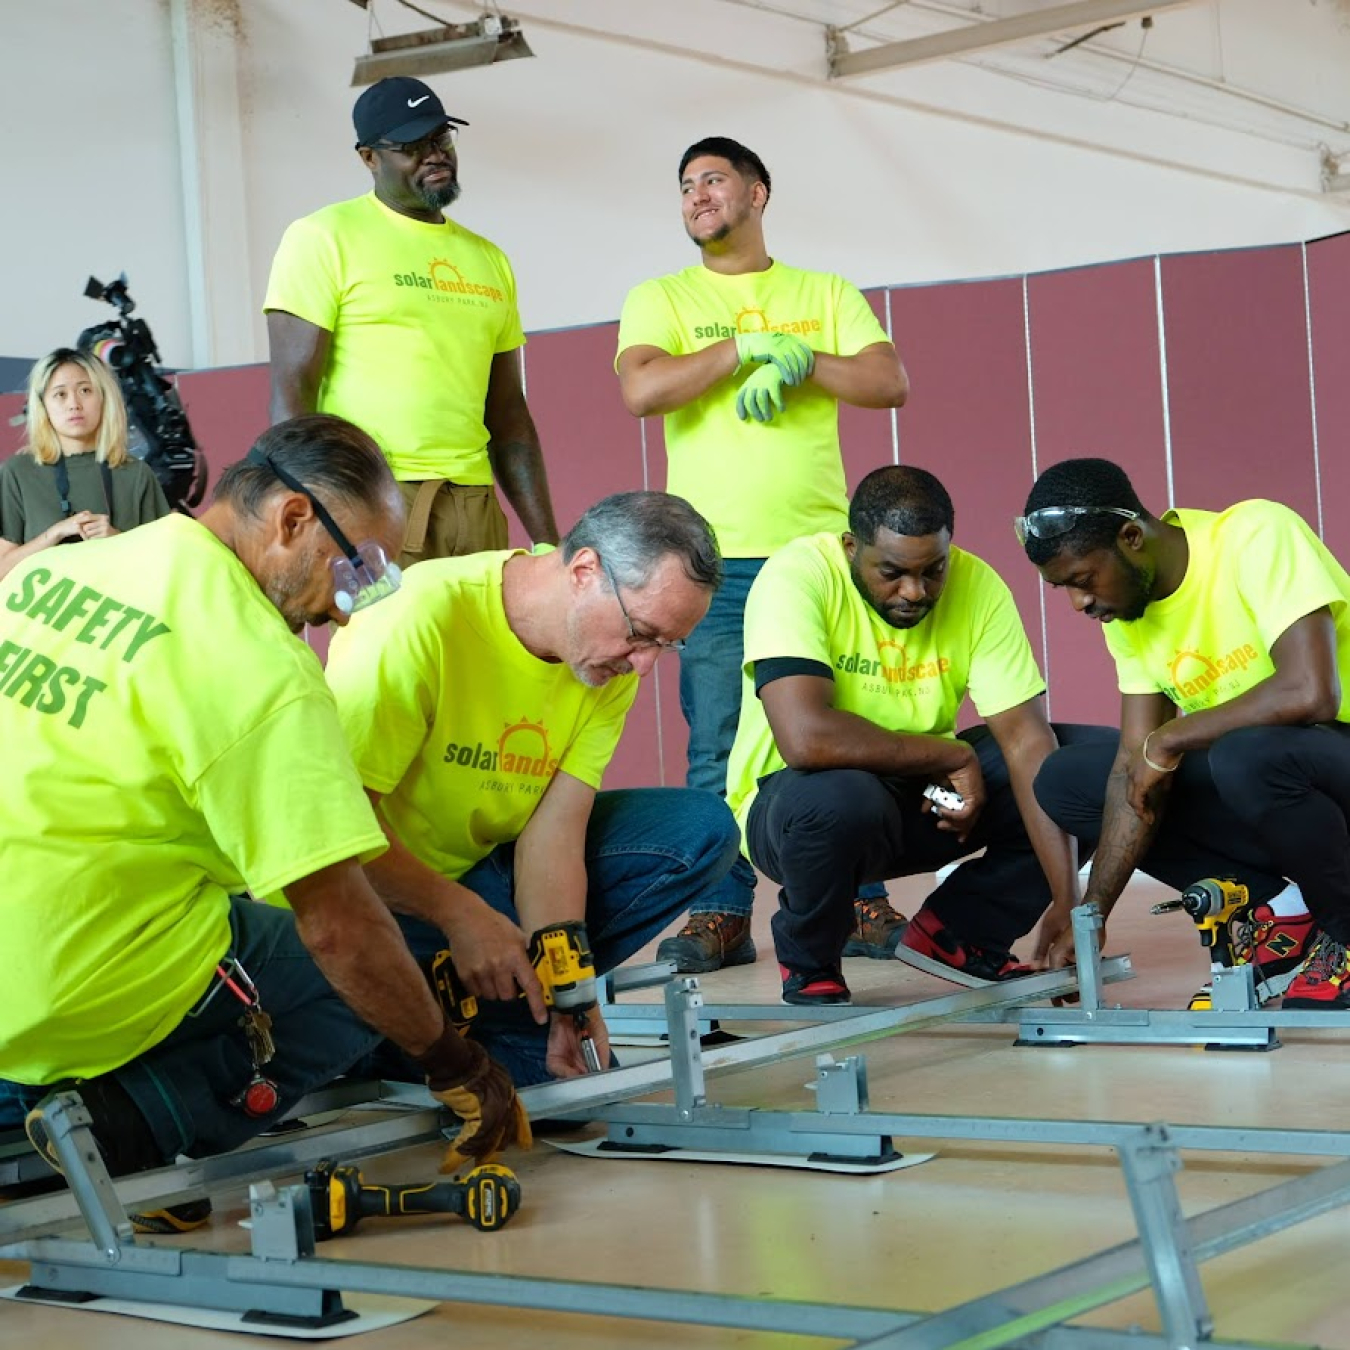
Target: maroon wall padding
[
  {"x": 1097, "y": 386},
  {"x": 1237, "y": 378},
  {"x": 227, "y": 410},
  {"x": 1329, "y": 302},
  {"x": 867, "y": 435},
  {"x": 11, "y": 438},
  {"x": 592, "y": 447},
  {"x": 592, "y": 443},
  {"x": 967, "y": 418},
  {"x": 674, "y": 729}
]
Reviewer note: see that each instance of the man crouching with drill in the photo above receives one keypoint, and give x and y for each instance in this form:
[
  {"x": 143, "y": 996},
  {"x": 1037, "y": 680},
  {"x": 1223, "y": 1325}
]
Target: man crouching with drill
[
  {"x": 1240, "y": 620},
  {"x": 169, "y": 741},
  {"x": 482, "y": 704}
]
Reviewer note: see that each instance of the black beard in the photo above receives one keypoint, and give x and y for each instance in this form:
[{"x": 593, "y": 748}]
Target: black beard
[{"x": 437, "y": 199}]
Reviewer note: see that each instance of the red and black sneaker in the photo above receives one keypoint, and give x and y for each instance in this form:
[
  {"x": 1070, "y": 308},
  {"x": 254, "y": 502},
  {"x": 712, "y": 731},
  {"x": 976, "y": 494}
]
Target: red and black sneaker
[
  {"x": 927, "y": 936},
  {"x": 815, "y": 988},
  {"x": 1323, "y": 982}
]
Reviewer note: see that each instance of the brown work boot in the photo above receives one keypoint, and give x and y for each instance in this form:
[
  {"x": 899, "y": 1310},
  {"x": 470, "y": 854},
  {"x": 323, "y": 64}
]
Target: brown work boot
[
  {"x": 709, "y": 942},
  {"x": 876, "y": 930}
]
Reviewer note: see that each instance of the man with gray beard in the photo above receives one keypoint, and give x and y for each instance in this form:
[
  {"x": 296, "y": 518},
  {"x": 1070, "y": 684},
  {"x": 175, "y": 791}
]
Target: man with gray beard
[{"x": 384, "y": 312}]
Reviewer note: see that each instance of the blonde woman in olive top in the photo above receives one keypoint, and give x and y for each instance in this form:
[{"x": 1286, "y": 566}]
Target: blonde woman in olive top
[{"x": 74, "y": 478}]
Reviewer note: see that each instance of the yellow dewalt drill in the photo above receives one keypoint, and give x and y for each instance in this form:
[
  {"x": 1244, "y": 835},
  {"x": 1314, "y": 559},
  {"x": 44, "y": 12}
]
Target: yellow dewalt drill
[
  {"x": 1222, "y": 911},
  {"x": 561, "y": 956},
  {"x": 487, "y": 1197}
]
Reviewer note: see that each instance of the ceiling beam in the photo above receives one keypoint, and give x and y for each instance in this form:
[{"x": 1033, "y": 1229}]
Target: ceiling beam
[{"x": 980, "y": 37}]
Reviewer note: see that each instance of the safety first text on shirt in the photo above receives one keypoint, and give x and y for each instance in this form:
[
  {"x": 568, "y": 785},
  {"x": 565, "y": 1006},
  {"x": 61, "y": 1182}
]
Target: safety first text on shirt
[{"x": 47, "y": 686}]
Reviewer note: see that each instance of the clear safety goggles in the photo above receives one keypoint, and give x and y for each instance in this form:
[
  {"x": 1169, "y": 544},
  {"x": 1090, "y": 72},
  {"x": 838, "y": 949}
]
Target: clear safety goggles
[
  {"x": 1052, "y": 521},
  {"x": 362, "y": 575}
]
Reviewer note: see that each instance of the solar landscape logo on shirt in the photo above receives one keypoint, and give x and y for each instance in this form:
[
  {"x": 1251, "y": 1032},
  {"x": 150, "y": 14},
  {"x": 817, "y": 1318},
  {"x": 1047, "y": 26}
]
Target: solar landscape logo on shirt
[
  {"x": 754, "y": 320},
  {"x": 1199, "y": 680},
  {"x": 522, "y": 759},
  {"x": 444, "y": 281},
  {"x": 896, "y": 669}
]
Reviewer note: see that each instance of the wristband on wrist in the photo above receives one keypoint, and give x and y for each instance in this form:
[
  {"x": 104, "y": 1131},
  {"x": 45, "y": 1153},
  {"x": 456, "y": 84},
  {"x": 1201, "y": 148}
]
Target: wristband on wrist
[{"x": 1157, "y": 768}]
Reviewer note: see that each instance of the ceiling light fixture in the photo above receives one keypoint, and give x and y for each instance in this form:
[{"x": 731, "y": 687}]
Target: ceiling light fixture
[{"x": 433, "y": 51}]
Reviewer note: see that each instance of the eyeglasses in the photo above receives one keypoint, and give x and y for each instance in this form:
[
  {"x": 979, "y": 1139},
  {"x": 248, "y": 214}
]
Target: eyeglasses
[
  {"x": 1052, "y": 521},
  {"x": 363, "y": 574},
  {"x": 640, "y": 640},
  {"x": 443, "y": 140}
]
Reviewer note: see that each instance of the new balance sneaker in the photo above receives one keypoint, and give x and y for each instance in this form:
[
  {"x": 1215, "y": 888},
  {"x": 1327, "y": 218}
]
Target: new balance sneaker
[
  {"x": 1276, "y": 944},
  {"x": 1322, "y": 983},
  {"x": 709, "y": 942},
  {"x": 813, "y": 988},
  {"x": 926, "y": 936},
  {"x": 876, "y": 930}
]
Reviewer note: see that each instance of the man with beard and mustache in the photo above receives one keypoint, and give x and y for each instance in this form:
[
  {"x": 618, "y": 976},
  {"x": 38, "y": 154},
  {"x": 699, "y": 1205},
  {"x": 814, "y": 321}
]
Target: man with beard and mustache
[
  {"x": 168, "y": 743},
  {"x": 383, "y": 311},
  {"x": 483, "y": 704},
  {"x": 748, "y": 360},
  {"x": 1230, "y": 632},
  {"x": 859, "y": 651}
]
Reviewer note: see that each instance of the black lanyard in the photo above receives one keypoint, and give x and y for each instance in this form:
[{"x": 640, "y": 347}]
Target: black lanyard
[{"x": 63, "y": 486}]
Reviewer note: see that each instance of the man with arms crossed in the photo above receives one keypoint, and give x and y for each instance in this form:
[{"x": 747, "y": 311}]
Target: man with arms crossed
[
  {"x": 169, "y": 742},
  {"x": 748, "y": 360},
  {"x": 858, "y": 653},
  {"x": 383, "y": 311},
  {"x": 1238, "y": 620},
  {"x": 483, "y": 703}
]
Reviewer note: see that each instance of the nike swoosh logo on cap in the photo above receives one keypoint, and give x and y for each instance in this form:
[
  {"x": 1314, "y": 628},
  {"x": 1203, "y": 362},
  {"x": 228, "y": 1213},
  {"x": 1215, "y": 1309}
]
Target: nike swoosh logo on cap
[{"x": 413, "y": 102}]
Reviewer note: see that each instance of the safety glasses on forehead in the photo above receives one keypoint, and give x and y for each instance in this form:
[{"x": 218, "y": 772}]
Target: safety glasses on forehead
[
  {"x": 1052, "y": 521},
  {"x": 363, "y": 574}
]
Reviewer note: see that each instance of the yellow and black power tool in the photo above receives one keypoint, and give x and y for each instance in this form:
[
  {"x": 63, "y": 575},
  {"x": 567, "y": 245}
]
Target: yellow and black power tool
[
  {"x": 487, "y": 1198},
  {"x": 1234, "y": 936},
  {"x": 561, "y": 956}
]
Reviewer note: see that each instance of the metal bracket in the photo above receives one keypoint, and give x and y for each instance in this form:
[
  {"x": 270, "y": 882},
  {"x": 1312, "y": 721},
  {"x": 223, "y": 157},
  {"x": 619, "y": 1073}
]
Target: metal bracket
[{"x": 1150, "y": 1163}]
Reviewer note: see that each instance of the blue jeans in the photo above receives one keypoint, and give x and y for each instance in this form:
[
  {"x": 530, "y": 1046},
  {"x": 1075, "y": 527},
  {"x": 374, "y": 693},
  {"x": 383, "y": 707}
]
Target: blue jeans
[
  {"x": 184, "y": 1086},
  {"x": 710, "y": 698},
  {"x": 649, "y": 853}
]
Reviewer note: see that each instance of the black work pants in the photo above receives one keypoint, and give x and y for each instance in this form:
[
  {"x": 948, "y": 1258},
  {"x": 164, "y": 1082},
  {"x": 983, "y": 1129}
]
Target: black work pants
[
  {"x": 823, "y": 834},
  {"x": 1261, "y": 805}
]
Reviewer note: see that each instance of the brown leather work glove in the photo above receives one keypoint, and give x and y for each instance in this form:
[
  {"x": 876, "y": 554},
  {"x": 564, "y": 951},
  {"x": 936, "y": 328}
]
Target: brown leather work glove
[{"x": 480, "y": 1092}]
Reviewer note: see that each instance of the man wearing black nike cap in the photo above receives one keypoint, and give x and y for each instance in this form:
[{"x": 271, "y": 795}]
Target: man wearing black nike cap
[{"x": 384, "y": 312}]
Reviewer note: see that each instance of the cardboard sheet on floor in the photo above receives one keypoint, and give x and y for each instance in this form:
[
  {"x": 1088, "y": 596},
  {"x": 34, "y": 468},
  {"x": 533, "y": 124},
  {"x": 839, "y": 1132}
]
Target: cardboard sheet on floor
[
  {"x": 374, "y": 1312},
  {"x": 593, "y": 1148}
]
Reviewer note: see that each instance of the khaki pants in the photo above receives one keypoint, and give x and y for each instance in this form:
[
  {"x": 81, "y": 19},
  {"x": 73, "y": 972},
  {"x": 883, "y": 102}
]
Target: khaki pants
[{"x": 446, "y": 520}]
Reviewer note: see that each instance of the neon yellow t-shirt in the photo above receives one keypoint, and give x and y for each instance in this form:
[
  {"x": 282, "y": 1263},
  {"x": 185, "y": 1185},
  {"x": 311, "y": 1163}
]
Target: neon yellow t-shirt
[
  {"x": 417, "y": 312},
  {"x": 166, "y": 741},
  {"x": 1253, "y": 570},
  {"x": 804, "y": 604},
  {"x": 454, "y": 722},
  {"x": 758, "y": 484}
]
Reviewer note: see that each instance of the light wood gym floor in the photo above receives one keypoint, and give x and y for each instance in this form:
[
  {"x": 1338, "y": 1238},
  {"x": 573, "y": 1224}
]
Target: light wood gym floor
[{"x": 975, "y": 1218}]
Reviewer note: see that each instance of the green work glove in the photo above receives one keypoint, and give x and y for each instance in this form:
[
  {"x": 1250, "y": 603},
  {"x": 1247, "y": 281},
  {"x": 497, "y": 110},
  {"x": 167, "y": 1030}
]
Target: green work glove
[
  {"x": 761, "y": 394},
  {"x": 792, "y": 357}
]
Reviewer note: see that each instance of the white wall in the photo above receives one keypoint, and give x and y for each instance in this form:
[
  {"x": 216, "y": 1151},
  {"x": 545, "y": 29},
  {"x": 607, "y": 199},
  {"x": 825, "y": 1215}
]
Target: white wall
[{"x": 944, "y": 171}]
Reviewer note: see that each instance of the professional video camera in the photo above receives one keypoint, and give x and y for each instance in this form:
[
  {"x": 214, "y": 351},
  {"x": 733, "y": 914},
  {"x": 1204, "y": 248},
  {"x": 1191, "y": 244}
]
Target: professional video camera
[{"x": 158, "y": 426}]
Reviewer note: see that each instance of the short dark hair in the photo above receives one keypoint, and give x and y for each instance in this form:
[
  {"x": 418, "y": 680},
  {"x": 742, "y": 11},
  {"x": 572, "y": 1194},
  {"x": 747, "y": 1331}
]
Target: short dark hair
[
  {"x": 902, "y": 498},
  {"x": 332, "y": 457},
  {"x": 740, "y": 157},
  {"x": 633, "y": 531},
  {"x": 1081, "y": 482}
]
